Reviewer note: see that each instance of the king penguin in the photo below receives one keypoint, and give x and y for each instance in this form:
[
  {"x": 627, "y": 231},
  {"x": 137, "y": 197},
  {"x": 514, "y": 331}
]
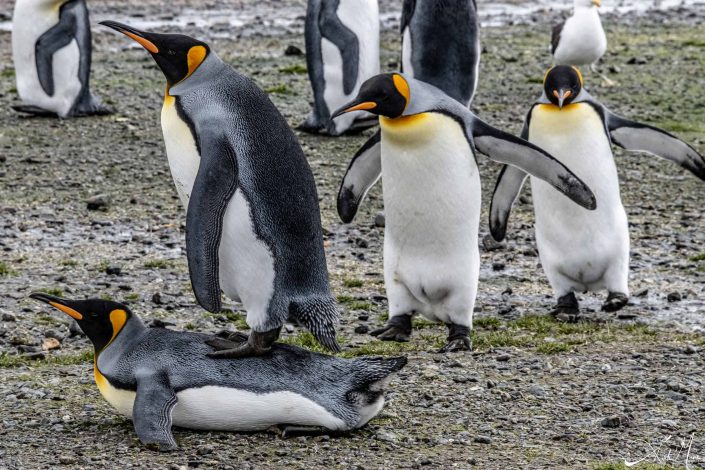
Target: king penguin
[
  {"x": 159, "y": 378},
  {"x": 253, "y": 226},
  {"x": 583, "y": 250},
  {"x": 51, "y": 49},
  {"x": 342, "y": 51},
  {"x": 431, "y": 187}
]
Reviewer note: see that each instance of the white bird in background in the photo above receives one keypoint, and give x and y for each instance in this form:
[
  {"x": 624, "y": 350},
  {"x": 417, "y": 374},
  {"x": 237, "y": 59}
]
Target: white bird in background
[{"x": 580, "y": 40}]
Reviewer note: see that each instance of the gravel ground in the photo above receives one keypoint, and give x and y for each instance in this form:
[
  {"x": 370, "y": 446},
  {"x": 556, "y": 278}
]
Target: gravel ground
[{"x": 533, "y": 394}]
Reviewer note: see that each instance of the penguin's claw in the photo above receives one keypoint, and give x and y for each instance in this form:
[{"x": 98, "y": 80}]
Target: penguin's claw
[
  {"x": 615, "y": 301},
  {"x": 256, "y": 344},
  {"x": 397, "y": 329},
  {"x": 567, "y": 309},
  {"x": 243, "y": 350},
  {"x": 457, "y": 345}
]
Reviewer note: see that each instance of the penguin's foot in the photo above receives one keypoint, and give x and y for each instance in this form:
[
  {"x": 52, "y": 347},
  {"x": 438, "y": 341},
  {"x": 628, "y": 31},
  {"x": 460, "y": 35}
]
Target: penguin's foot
[
  {"x": 256, "y": 344},
  {"x": 397, "y": 329},
  {"x": 34, "y": 110},
  {"x": 615, "y": 301},
  {"x": 289, "y": 431},
  {"x": 458, "y": 339},
  {"x": 311, "y": 126},
  {"x": 567, "y": 309},
  {"x": 165, "y": 446},
  {"x": 99, "y": 110}
]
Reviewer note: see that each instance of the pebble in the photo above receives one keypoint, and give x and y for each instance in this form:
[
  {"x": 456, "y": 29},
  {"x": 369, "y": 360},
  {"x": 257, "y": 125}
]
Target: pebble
[
  {"x": 482, "y": 439},
  {"x": 537, "y": 391},
  {"x": 67, "y": 460},
  {"x": 615, "y": 422},
  {"x": 362, "y": 329},
  {"x": 113, "y": 270},
  {"x": 292, "y": 50},
  {"x": 51, "y": 343},
  {"x": 8, "y": 317},
  {"x": 380, "y": 219},
  {"x": 99, "y": 202},
  {"x": 674, "y": 297}
]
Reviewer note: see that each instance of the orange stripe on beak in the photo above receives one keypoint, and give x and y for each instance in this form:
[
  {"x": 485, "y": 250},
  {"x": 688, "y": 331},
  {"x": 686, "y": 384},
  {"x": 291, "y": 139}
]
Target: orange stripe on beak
[
  {"x": 367, "y": 105},
  {"x": 147, "y": 44},
  {"x": 67, "y": 310}
]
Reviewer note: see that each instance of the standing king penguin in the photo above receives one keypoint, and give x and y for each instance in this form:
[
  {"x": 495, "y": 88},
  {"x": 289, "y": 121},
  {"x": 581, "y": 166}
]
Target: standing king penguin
[
  {"x": 253, "y": 226},
  {"x": 342, "y": 51},
  {"x": 440, "y": 46},
  {"x": 51, "y": 50},
  {"x": 432, "y": 199},
  {"x": 159, "y": 378},
  {"x": 583, "y": 250}
]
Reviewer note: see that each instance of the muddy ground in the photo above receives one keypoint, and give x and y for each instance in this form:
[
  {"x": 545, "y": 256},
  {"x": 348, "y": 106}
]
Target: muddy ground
[{"x": 533, "y": 394}]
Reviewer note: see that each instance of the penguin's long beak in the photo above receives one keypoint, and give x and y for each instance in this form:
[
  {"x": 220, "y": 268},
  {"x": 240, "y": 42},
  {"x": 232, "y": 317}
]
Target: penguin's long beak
[
  {"x": 142, "y": 37},
  {"x": 58, "y": 302},
  {"x": 355, "y": 106},
  {"x": 562, "y": 95}
]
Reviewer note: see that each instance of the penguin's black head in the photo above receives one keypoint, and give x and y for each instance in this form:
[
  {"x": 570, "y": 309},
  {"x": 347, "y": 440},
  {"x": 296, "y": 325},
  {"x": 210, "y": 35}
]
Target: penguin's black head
[
  {"x": 101, "y": 320},
  {"x": 177, "y": 55},
  {"x": 563, "y": 84},
  {"x": 385, "y": 95}
]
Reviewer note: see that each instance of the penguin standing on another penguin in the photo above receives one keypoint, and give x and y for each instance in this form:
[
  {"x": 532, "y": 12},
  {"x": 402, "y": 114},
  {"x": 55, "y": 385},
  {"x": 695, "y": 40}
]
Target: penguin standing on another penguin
[
  {"x": 342, "y": 51},
  {"x": 51, "y": 50},
  {"x": 253, "y": 225},
  {"x": 432, "y": 199},
  {"x": 159, "y": 378},
  {"x": 583, "y": 250}
]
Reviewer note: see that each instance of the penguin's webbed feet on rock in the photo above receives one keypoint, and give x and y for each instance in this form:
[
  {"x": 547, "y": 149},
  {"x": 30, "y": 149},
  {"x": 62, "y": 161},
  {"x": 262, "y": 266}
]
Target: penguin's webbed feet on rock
[
  {"x": 458, "y": 339},
  {"x": 397, "y": 329},
  {"x": 615, "y": 301},
  {"x": 567, "y": 309},
  {"x": 289, "y": 431},
  {"x": 165, "y": 446},
  {"x": 238, "y": 345}
]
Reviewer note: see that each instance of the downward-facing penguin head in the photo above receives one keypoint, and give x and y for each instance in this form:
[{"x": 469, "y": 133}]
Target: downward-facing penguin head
[
  {"x": 101, "y": 320},
  {"x": 562, "y": 85},
  {"x": 386, "y": 95},
  {"x": 176, "y": 54}
]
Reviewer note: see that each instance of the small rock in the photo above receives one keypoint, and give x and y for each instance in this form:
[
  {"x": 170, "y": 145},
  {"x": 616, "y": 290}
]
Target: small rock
[
  {"x": 380, "y": 219},
  {"x": 615, "y": 422},
  {"x": 113, "y": 270},
  {"x": 498, "y": 266},
  {"x": 67, "y": 460},
  {"x": 483, "y": 439},
  {"x": 292, "y": 50},
  {"x": 8, "y": 317},
  {"x": 637, "y": 61},
  {"x": 363, "y": 317},
  {"x": 674, "y": 297},
  {"x": 614, "y": 69},
  {"x": 74, "y": 329},
  {"x": 158, "y": 299},
  {"x": 157, "y": 323},
  {"x": 503, "y": 357},
  {"x": 50, "y": 343},
  {"x": 537, "y": 391},
  {"x": 362, "y": 329},
  {"x": 386, "y": 436},
  {"x": 642, "y": 293},
  {"x": 99, "y": 202},
  {"x": 690, "y": 349}
]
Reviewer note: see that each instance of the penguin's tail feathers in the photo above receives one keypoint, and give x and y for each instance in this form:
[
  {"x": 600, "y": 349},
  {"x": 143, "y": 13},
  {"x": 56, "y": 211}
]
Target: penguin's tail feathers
[
  {"x": 319, "y": 315},
  {"x": 374, "y": 373}
]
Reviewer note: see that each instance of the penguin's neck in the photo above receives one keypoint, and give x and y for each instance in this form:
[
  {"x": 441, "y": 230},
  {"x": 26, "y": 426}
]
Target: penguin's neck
[
  {"x": 126, "y": 337},
  {"x": 211, "y": 67}
]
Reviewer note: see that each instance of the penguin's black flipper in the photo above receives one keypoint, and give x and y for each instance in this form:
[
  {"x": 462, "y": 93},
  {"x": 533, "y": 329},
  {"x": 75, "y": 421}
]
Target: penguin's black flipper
[
  {"x": 407, "y": 12},
  {"x": 345, "y": 40},
  {"x": 152, "y": 411},
  {"x": 511, "y": 150},
  {"x": 364, "y": 171},
  {"x": 57, "y": 37},
  {"x": 644, "y": 138},
  {"x": 509, "y": 184},
  {"x": 215, "y": 184}
]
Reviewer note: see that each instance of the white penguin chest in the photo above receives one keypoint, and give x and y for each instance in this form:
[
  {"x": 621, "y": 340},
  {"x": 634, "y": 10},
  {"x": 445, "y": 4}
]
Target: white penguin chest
[
  {"x": 181, "y": 150},
  {"x": 431, "y": 185}
]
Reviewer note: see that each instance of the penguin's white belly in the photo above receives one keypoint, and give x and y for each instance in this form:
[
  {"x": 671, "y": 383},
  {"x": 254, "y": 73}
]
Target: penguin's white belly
[
  {"x": 362, "y": 18},
  {"x": 432, "y": 200},
  {"x": 29, "y": 23},
  {"x": 582, "y": 40},
  {"x": 229, "y": 409},
  {"x": 573, "y": 242},
  {"x": 246, "y": 270}
]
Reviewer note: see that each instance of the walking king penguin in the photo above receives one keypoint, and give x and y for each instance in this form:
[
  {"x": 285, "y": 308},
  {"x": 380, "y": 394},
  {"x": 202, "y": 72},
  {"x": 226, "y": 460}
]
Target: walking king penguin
[
  {"x": 432, "y": 199},
  {"x": 440, "y": 46},
  {"x": 159, "y": 378},
  {"x": 342, "y": 51},
  {"x": 51, "y": 49},
  {"x": 253, "y": 226},
  {"x": 580, "y": 40},
  {"x": 583, "y": 250}
]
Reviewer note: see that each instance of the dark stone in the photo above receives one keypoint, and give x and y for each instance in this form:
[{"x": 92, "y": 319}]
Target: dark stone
[
  {"x": 674, "y": 297},
  {"x": 380, "y": 219},
  {"x": 113, "y": 270},
  {"x": 292, "y": 50},
  {"x": 99, "y": 202},
  {"x": 362, "y": 329},
  {"x": 483, "y": 439}
]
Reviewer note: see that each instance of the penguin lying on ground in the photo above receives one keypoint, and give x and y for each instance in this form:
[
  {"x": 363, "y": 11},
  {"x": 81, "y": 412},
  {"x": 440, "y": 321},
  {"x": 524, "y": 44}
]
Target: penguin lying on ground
[
  {"x": 432, "y": 199},
  {"x": 159, "y": 378},
  {"x": 253, "y": 225},
  {"x": 440, "y": 46},
  {"x": 583, "y": 250},
  {"x": 51, "y": 50},
  {"x": 342, "y": 51}
]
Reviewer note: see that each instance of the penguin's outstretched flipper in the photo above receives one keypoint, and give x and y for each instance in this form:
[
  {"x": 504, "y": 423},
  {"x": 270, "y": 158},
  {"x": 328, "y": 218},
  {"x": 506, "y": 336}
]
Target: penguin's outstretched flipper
[
  {"x": 215, "y": 184},
  {"x": 320, "y": 317},
  {"x": 154, "y": 402},
  {"x": 509, "y": 184},
  {"x": 364, "y": 171},
  {"x": 511, "y": 150},
  {"x": 345, "y": 40},
  {"x": 639, "y": 137}
]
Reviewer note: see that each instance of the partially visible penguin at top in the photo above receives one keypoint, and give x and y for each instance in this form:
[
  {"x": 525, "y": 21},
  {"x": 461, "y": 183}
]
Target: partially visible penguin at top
[
  {"x": 342, "y": 51},
  {"x": 253, "y": 225},
  {"x": 51, "y": 50}
]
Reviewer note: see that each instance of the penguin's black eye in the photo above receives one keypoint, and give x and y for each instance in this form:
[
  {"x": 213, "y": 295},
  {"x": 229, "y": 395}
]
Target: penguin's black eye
[{"x": 170, "y": 52}]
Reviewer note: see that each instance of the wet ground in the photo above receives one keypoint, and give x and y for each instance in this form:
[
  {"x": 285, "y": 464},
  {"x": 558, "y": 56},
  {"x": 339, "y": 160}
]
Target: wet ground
[{"x": 533, "y": 394}]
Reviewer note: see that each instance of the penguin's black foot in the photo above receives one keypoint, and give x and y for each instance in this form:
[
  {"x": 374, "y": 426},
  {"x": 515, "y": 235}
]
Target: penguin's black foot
[
  {"x": 615, "y": 301},
  {"x": 458, "y": 339},
  {"x": 397, "y": 329},
  {"x": 34, "y": 110},
  {"x": 161, "y": 446},
  {"x": 311, "y": 126},
  {"x": 256, "y": 344},
  {"x": 100, "y": 110},
  {"x": 289, "y": 431},
  {"x": 567, "y": 309}
]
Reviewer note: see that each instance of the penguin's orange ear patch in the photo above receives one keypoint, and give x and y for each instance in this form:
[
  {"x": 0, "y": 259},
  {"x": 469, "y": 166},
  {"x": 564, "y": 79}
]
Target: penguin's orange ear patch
[
  {"x": 67, "y": 310},
  {"x": 402, "y": 87},
  {"x": 195, "y": 57}
]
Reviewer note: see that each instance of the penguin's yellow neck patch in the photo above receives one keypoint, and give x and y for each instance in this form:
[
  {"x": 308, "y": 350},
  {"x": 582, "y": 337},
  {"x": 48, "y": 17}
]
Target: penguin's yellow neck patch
[
  {"x": 548, "y": 119},
  {"x": 566, "y": 109},
  {"x": 403, "y": 122}
]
